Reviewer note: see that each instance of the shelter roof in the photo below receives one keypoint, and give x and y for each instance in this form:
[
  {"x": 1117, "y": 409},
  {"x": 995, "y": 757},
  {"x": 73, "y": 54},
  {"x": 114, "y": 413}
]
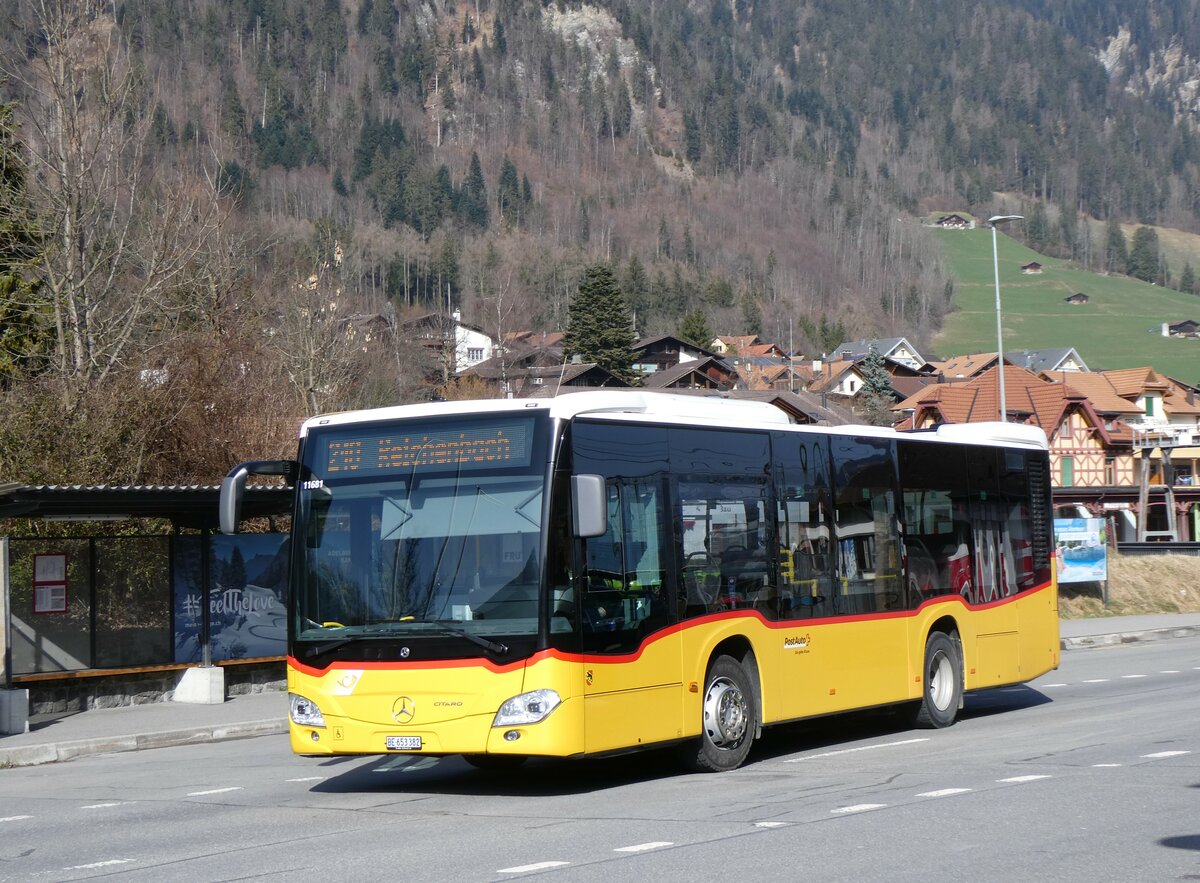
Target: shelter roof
[{"x": 187, "y": 506}]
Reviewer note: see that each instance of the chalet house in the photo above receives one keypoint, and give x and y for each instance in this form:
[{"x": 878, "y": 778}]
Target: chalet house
[
  {"x": 842, "y": 378},
  {"x": 964, "y": 367},
  {"x": 954, "y": 222},
  {"x": 777, "y": 376},
  {"x": 1085, "y": 447},
  {"x": 654, "y": 354},
  {"x": 898, "y": 349},
  {"x": 1033, "y": 268},
  {"x": 1186, "y": 328},
  {"x": 468, "y": 343},
  {"x": 711, "y": 372},
  {"x": 522, "y": 340},
  {"x": 733, "y": 344},
  {"x": 1038, "y": 361},
  {"x": 521, "y": 374},
  {"x": 1093, "y": 421},
  {"x": 1077, "y": 298}
]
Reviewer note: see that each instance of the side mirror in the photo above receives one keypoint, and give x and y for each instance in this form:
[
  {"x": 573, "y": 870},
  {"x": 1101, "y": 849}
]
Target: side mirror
[
  {"x": 589, "y": 506},
  {"x": 233, "y": 488}
]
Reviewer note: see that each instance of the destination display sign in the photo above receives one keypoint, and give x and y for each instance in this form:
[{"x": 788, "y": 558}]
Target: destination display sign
[{"x": 460, "y": 446}]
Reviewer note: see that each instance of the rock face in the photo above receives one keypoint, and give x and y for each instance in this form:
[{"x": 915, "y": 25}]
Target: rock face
[{"x": 1170, "y": 69}]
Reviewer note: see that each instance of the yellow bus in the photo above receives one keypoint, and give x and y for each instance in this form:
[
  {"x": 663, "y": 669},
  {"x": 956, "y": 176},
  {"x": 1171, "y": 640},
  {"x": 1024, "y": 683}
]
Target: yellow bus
[{"x": 607, "y": 571}]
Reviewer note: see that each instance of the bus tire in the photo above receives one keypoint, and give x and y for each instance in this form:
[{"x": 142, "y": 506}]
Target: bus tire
[
  {"x": 495, "y": 762},
  {"x": 941, "y": 683},
  {"x": 729, "y": 719}
]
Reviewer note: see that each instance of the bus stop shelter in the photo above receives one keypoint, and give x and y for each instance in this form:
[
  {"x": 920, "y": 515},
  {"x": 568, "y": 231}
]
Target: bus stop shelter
[{"x": 93, "y": 613}]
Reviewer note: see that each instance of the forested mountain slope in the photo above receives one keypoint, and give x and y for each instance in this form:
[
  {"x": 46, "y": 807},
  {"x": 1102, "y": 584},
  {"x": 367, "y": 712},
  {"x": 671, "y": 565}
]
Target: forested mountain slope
[{"x": 766, "y": 163}]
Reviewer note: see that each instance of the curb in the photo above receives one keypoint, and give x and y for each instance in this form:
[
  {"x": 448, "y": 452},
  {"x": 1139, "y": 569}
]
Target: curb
[
  {"x": 55, "y": 752},
  {"x": 1143, "y": 636}
]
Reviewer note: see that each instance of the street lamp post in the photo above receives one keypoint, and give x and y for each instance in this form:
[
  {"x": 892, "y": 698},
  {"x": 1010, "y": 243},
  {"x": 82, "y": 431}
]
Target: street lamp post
[{"x": 994, "y": 221}]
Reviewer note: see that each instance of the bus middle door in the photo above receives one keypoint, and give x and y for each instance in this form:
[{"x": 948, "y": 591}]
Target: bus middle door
[{"x": 632, "y": 669}]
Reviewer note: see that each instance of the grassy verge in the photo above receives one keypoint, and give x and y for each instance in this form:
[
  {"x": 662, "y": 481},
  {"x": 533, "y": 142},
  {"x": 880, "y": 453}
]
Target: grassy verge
[{"x": 1137, "y": 584}]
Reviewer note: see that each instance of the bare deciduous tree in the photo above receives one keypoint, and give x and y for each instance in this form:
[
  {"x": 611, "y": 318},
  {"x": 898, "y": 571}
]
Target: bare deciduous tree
[{"x": 124, "y": 235}]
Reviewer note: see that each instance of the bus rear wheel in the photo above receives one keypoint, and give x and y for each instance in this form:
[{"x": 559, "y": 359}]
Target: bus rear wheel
[
  {"x": 729, "y": 719},
  {"x": 941, "y": 683}
]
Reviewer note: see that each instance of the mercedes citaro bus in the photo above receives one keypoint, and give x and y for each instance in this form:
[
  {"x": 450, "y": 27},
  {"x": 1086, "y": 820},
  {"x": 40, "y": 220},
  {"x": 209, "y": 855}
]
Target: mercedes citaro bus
[{"x": 605, "y": 571}]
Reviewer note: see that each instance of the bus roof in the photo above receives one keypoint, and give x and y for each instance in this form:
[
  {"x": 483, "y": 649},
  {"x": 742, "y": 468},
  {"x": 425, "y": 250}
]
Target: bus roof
[{"x": 650, "y": 405}]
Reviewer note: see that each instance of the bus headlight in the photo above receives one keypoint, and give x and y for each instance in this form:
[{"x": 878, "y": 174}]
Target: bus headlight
[
  {"x": 528, "y": 708},
  {"x": 305, "y": 712}
]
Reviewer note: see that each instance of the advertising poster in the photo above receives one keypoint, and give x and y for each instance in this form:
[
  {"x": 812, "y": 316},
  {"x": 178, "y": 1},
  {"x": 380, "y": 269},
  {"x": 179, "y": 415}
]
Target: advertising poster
[
  {"x": 1081, "y": 547},
  {"x": 246, "y": 597}
]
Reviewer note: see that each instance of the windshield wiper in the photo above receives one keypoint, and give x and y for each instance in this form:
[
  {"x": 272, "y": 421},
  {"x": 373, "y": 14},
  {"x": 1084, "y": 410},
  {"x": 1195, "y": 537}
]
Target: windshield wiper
[
  {"x": 440, "y": 624},
  {"x": 494, "y": 646},
  {"x": 318, "y": 649}
]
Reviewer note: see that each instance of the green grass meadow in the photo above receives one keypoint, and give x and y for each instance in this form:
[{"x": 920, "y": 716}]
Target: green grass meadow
[{"x": 1119, "y": 327}]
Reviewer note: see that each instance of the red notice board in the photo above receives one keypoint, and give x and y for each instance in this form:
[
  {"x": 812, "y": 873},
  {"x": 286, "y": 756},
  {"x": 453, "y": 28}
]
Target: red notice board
[{"x": 50, "y": 583}]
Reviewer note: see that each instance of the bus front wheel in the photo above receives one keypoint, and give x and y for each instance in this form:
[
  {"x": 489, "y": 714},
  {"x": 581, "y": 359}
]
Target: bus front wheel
[
  {"x": 942, "y": 683},
  {"x": 729, "y": 719}
]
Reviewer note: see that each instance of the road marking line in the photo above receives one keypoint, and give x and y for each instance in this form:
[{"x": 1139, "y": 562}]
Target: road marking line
[
  {"x": 102, "y": 805},
  {"x": 1045, "y": 686},
  {"x": 213, "y": 791},
  {"x": 105, "y": 864},
  {"x": 859, "y": 807},
  {"x": 1133, "y": 676},
  {"x": 1170, "y": 671},
  {"x": 1105, "y": 765},
  {"x": 1159, "y": 754},
  {"x": 860, "y": 748},
  {"x": 309, "y": 779},
  {"x": 1096, "y": 681},
  {"x": 944, "y": 792},
  {"x": 14, "y": 818},
  {"x": 771, "y": 824},
  {"x": 1019, "y": 779},
  {"x": 525, "y": 869},
  {"x": 642, "y": 847}
]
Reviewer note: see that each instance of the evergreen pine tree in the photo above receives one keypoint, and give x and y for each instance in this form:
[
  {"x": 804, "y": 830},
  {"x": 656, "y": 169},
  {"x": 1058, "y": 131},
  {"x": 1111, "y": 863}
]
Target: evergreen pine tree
[
  {"x": 636, "y": 288},
  {"x": 622, "y": 113},
  {"x": 876, "y": 393},
  {"x": 1143, "y": 255},
  {"x": 499, "y": 41},
  {"x": 508, "y": 192},
  {"x": 599, "y": 327},
  {"x": 1187, "y": 280},
  {"x": 472, "y": 200},
  {"x": 1116, "y": 252},
  {"x": 694, "y": 328}
]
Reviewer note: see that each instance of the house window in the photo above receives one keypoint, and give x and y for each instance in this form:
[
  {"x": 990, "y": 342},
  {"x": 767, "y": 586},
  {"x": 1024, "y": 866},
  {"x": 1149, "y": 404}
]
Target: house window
[
  {"x": 1110, "y": 471},
  {"x": 538, "y": 381},
  {"x": 474, "y": 354},
  {"x": 1149, "y": 406},
  {"x": 1067, "y": 472}
]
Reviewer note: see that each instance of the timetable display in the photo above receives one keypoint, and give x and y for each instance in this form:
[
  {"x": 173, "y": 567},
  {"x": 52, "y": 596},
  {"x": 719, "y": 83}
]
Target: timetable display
[{"x": 460, "y": 446}]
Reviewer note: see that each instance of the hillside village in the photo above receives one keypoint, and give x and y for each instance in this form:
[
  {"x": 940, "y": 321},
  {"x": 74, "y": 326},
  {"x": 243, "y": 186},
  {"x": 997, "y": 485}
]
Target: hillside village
[{"x": 1121, "y": 441}]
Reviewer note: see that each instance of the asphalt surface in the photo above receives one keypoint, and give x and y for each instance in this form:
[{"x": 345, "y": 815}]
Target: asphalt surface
[{"x": 157, "y": 725}]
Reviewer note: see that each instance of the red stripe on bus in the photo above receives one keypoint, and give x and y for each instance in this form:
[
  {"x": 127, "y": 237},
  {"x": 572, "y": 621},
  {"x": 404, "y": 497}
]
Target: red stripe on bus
[{"x": 592, "y": 658}]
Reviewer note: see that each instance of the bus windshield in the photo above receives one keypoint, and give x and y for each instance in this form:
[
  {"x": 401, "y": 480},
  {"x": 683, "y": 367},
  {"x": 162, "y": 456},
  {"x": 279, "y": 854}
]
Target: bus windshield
[{"x": 421, "y": 529}]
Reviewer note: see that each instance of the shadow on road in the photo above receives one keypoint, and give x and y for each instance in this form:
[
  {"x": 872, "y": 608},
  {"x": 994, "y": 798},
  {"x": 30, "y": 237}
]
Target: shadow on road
[
  {"x": 551, "y": 777},
  {"x": 1187, "y": 841}
]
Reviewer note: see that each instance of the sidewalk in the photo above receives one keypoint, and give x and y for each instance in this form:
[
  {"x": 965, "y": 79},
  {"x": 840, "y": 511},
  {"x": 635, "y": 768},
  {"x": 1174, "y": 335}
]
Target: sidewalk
[
  {"x": 134, "y": 727},
  {"x": 158, "y": 725}
]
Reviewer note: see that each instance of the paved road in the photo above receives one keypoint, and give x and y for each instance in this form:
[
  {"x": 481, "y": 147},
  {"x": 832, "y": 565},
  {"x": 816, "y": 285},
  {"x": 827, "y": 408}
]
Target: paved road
[{"x": 1090, "y": 773}]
